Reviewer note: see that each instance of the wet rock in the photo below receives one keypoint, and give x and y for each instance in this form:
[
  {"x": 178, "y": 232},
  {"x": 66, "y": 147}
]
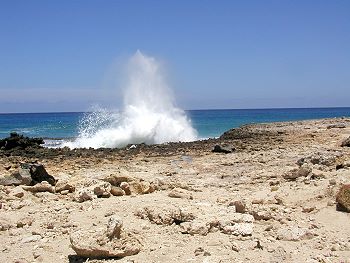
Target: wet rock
[
  {"x": 117, "y": 191},
  {"x": 346, "y": 143},
  {"x": 180, "y": 193},
  {"x": 40, "y": 187},
  {"x": 110, "y": 243},
  {"x": 19, "y": 141},
  {"x": 343, "y": 198},
  {"x": 223, "y": 149},
  {"x": 294, "y": 233}
]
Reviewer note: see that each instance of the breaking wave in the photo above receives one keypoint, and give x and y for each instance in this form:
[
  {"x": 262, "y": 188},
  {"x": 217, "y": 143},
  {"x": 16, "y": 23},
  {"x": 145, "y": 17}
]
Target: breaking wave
[{"x": 149, "y": 114}]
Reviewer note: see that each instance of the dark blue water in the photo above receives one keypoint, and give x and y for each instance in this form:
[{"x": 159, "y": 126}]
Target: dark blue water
[{"x": 208, "y": 123}]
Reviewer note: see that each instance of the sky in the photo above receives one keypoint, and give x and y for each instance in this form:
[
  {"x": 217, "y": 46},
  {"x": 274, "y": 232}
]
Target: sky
[{"x": 63, "y": 55}]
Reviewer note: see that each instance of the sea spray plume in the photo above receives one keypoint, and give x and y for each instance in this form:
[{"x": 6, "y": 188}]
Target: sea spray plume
[{"x": 149, "y": 114}]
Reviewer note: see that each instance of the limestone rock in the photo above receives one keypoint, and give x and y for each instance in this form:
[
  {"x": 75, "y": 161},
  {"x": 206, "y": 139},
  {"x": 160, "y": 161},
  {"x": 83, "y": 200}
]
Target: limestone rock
[
  {"x": 84, "y": 194},
  {"x": 40, "y": 187},
  {"x": 117, "y": 191},
  {"x": 17, "y": 192},
  {"x": 195, "y": 228},
  {"x": 126, "y": 188},
  {"x": 302, "y": 171},
  {"x": 294, "y": 233},
  {"x": 242, "y": 229},
  {"x": 63, "y": 185},
  {"x": 180, "y": 193},
  {"x": 102, "y": 189},
  {"x": 343, "y": 198},
  {"x": 165, "y": 216},
  {"x": 110, "y": 243}
]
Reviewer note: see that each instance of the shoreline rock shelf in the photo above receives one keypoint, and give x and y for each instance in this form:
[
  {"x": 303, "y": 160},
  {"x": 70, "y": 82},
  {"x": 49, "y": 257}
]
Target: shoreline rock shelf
[{"x": 280, "y": 195}]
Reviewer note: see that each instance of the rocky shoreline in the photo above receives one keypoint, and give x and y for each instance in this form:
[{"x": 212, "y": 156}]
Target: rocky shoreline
[{"x": 274, "y": 192}]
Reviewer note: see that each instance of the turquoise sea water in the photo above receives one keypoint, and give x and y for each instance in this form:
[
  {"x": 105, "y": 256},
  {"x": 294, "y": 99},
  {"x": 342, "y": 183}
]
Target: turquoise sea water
[{"x": 208, "y": 123}]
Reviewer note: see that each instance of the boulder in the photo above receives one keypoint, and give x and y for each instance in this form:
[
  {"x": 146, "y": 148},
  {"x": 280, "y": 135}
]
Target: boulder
[
  {"x": 223, "y": 148},
  {"x": 28, "y": 174},
  {"x": 111, "y": 242},
  {"x": 343, "y": 198}
]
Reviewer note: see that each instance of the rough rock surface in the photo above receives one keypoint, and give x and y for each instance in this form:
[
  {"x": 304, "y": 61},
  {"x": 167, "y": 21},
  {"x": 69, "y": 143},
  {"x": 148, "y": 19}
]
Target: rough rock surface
[
  {"x": 243, "y": 209},
  {"x": 113, "y": 242}
]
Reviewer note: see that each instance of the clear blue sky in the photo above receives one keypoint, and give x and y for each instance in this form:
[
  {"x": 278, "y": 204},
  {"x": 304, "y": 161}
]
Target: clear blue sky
[{"x": 60, "y": 55}]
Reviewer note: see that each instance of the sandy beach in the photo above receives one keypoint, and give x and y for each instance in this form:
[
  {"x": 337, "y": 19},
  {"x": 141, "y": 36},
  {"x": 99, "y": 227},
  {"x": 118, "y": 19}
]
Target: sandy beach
[{"x": 268, "y": 196}]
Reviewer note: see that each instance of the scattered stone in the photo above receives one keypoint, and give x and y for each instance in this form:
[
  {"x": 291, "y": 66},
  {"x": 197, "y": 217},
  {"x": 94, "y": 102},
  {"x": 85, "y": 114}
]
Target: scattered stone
[
  {"x": 180, "y": 193},
  {"x": 308, "y": 209},
  {"x": 294, "y": 233},
  {"x": 110, "y": 243},
  {"x": 117, "y": 191},
  {"x": 240, "y": 206},
  {"x": 195, "y": 228},
  {"x": 223, "y": 149},
  {"x": 63, "y": 185},
  {"x": 17, "y": 192},
  {"x": 117, "y": 179},
  {"x": 332, "y": 182},
  {"x": 40, "y": 187},
  {"x": 126, "y": 188},
  {"x": 302, "y": 171},
  {"x": 343, "y": 198},
  {"x": 84, "y": 194},
  {"x": 102, "y": 189},
  {"x": 141, "y": 187}
]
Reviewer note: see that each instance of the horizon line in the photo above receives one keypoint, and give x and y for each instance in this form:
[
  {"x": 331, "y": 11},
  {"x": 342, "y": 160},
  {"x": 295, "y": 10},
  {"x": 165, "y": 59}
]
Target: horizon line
[{"x": 212, "y": 109}]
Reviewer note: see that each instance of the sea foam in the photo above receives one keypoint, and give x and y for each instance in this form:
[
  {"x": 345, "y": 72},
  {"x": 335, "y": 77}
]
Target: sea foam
[{"x": 149, "y": 114}]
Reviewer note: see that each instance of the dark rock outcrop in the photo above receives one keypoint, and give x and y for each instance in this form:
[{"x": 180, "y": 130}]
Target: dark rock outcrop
[
  {"x": 223, "y": 149},
  {"x": 19, "y": 141}
]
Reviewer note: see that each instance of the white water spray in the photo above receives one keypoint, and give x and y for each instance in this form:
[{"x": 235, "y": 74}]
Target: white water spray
[{"x": 149, "y": 114}]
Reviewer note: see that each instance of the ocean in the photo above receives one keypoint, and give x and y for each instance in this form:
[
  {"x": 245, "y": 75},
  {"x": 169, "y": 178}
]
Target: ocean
[{"x": 209, "y": 123}]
